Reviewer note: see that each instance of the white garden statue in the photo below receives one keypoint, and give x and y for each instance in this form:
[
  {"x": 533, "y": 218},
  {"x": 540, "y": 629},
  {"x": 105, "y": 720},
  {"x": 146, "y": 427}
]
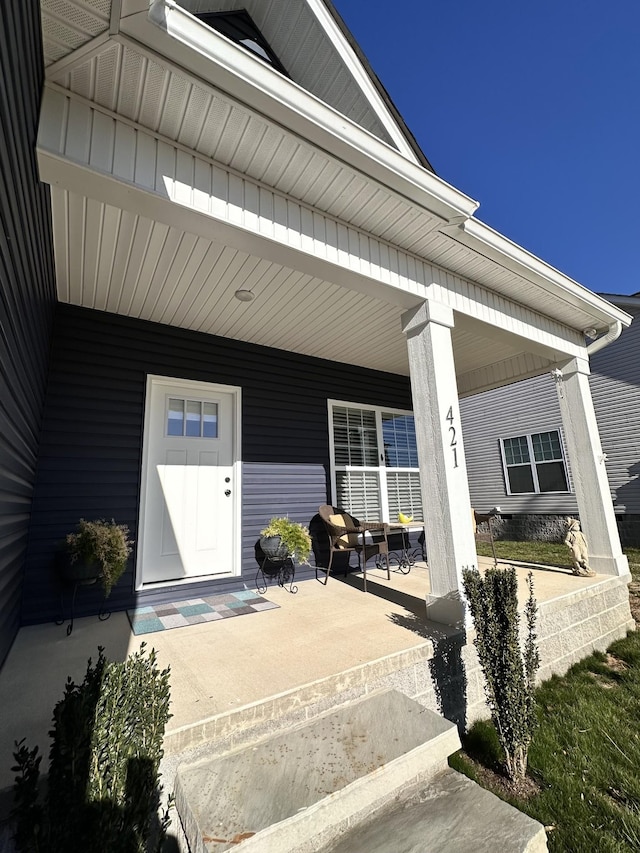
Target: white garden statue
[{"x": 577, "y": 544}]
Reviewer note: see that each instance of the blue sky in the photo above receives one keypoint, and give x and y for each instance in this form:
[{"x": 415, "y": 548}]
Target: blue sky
[{"x": 533, "y": 109}]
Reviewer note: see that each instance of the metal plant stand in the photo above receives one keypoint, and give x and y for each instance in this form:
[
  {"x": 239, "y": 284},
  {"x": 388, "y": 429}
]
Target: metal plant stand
[
  {"x": 103, "y": 613},
  {"x": 283, "y": 570}
]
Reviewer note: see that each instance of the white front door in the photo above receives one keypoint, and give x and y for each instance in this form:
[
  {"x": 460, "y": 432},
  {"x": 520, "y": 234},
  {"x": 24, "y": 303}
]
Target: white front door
[{"x": 187, "y": 528}]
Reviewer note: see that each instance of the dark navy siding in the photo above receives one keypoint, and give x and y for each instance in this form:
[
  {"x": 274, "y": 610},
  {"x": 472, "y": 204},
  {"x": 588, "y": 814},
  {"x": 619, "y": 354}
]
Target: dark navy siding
[
  {"x": 27, "y": 295},
  {"x": 91, "y": 443}
]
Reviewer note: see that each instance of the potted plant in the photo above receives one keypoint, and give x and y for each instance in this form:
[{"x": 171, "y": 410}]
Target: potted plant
[
  {"x": 98, "y": 550},
  {"x": 283, "y": 538}
]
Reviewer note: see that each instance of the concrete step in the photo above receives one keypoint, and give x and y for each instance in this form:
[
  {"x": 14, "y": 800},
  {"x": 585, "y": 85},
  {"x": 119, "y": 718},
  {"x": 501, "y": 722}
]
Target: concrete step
[
  {"x": 299, "y": 789},
  {"x": 405, "y": 670},
  {"x": 447, "y": 815}
]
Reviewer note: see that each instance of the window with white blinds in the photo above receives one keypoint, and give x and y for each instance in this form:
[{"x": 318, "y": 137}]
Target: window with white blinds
[{"x": 374, "y": 462}]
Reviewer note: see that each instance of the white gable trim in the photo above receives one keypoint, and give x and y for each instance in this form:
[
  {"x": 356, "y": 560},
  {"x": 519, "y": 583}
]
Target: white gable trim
[{"x": 360, "y": 75}]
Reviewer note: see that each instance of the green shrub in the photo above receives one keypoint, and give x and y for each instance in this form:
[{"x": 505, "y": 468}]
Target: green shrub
[
  {"x": 102, "y": 542},
  {"x": 509, "y": 672},
  {"x": 294, "y": 536},
  {"x": 103, "y": 790}
]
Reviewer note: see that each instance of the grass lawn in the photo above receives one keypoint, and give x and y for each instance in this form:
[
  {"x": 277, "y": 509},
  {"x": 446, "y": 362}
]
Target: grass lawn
[
  {"x": 545, "y": 553},
  {"x": 585, "y": 754}
]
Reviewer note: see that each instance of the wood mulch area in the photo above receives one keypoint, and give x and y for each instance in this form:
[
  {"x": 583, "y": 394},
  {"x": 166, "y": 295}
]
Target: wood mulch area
[{"x": 500, "y": 784}]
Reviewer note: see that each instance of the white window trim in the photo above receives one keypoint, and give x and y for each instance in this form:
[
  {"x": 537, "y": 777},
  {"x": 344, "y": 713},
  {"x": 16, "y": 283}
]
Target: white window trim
[
  {"x": 382, "y": 469},
  {"x": 532, "y": 463}
]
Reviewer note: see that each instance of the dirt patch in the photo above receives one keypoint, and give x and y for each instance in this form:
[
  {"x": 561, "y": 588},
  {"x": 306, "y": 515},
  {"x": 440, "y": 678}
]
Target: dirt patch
[
  {"x": 501, "y": 785},
  {"x": 615, "y": 663},
  {"x": 634, "y": 600}
]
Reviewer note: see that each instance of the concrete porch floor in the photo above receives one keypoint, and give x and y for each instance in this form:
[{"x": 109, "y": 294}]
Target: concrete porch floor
[{"x": 220, "y": 666}]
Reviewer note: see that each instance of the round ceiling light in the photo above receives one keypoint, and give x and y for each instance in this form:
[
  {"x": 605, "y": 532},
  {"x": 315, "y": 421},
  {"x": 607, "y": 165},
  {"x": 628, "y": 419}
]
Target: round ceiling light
[{"x": 244, "y": 295}]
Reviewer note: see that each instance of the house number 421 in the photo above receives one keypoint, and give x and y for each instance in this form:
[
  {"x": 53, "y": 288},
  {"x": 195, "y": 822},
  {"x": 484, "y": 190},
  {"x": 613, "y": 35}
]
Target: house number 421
[{"x": 453, "y": 441}]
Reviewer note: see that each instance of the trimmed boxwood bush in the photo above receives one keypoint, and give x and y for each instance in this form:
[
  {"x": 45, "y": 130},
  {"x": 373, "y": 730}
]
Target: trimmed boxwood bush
[
  {"x": 103, "y": 789},
  {"x": 509, "y": 671}
]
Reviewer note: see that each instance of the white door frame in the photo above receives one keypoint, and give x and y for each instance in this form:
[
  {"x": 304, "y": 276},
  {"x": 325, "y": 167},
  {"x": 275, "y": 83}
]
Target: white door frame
[{"x": 154, "y": 381}]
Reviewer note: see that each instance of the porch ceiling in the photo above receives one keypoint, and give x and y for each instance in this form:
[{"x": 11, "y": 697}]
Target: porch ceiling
[{"x": 114, "y": 260}]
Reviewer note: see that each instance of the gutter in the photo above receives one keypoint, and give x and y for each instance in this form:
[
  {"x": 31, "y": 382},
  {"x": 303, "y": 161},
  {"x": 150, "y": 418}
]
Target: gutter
[{"x": 613, "y": 333}]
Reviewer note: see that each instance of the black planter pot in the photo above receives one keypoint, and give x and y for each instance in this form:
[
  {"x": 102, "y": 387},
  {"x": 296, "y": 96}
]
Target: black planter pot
[
  {"x": 273, "y": 548},
  {"x": 79, "y": 572}
]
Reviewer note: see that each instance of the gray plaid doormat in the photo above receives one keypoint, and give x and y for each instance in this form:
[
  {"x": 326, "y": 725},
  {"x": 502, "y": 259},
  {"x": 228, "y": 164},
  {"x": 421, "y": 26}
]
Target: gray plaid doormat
[{"x": 148, "y": 620}]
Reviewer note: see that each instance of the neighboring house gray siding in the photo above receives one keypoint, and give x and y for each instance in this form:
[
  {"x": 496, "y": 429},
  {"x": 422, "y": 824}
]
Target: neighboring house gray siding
[
  {"x": 27, "y": 294},
  {"x": 615, "y": 386},
  {"x": 532, "y": 406},
  {"x": 91, "y": 442},
  {"x": 518, "y": 409}
]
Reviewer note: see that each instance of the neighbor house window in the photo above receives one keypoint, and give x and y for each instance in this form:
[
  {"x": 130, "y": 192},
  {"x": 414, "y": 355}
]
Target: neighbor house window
[
  {"x": 534, "y": 463},
  {"x": 374, "y": 462}
]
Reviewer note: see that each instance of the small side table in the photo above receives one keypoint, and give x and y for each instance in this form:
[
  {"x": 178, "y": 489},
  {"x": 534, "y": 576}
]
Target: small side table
[{"x": 407, "y": 556}]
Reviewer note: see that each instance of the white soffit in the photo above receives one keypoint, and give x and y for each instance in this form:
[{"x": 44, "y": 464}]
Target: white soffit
[
  {"x": 131, "y": 82},
  {"x": 113, "y": 260},
  {"x": 69, "y": 24}
]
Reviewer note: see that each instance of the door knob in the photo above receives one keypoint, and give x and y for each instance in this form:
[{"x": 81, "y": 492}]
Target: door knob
[{"x": 227, "y": 492}]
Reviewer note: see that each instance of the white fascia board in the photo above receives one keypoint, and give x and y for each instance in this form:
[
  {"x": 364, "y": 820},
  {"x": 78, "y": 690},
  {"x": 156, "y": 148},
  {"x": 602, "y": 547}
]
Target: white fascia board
[
  {"x": 483, "y": 239},
  {"x": 215, "y": 61}
]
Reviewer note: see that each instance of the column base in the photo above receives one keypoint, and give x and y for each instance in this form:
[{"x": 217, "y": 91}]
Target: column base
[
  {"x": 616, "y": 566},
  {"x": 448, "y": 610}
]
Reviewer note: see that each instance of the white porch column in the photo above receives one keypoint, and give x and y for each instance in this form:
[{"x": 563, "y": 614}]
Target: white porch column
[
  {"x": 443, "y": 471},
  {"x": 597, "y": 518}
]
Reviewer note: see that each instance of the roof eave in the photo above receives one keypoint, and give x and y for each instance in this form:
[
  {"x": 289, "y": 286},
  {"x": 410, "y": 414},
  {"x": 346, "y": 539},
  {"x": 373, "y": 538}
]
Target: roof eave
[{"x": 492, "y": 244}]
